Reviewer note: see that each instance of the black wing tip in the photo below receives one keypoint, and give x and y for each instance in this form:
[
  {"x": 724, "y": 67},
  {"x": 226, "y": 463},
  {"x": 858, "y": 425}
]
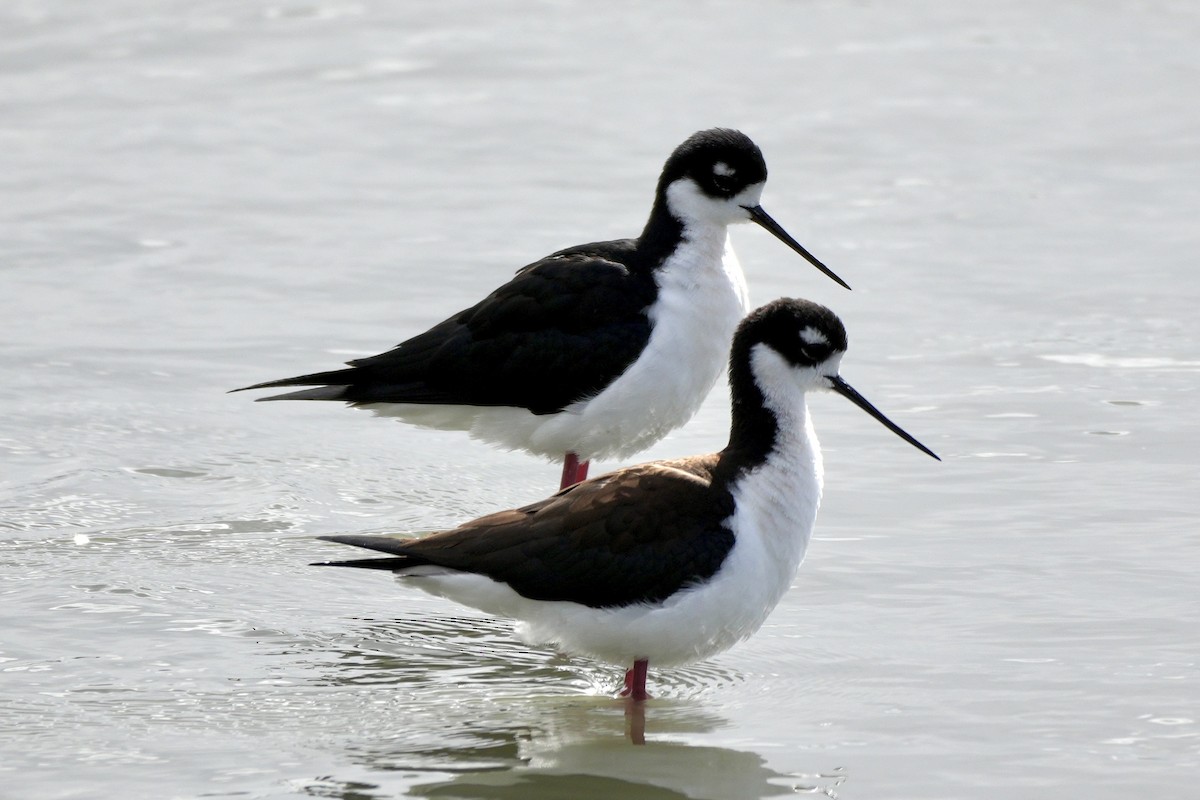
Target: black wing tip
[
  {"x": 346, "y": 538},
  {"x": 388, "y": 564},
  {"x": 392, "y": 562},
  {"x": 268, "y": 385},
  {"x": 331, "y": 392},
  {"x": 331, "y": 382},
  {"x": 391, "y": 545}
]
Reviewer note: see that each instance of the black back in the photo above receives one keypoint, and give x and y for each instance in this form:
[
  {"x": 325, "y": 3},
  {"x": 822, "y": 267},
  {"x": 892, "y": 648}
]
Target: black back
[
  {"x": 560, "y": 331},
  {"x": 636, "y": 536}
]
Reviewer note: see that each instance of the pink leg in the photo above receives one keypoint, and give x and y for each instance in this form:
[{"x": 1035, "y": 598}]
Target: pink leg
[
  {"x": 573, "y": 472},
  {"x": 635, "y": 681}
]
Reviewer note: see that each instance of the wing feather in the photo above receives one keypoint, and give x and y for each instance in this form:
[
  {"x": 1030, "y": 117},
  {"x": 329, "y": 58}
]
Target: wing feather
[
  {"x": 560, "y": 331},
  {"x": 634, "y": 536}
]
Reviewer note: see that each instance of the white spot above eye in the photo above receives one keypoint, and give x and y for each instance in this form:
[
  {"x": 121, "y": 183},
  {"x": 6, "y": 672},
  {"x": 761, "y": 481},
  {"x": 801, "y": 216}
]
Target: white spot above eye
[
  {"x": 811, "y": 335},
  {"x": 723, "y": 169}
]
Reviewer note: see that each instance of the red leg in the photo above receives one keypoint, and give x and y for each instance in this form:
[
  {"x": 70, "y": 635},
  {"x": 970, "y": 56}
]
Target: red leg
[
  {"x": 635, "y": 681},
  {"x": 573, "y": 472},
  {"x": 570, "y": 466},
  {"x": 640, "y": 668}
]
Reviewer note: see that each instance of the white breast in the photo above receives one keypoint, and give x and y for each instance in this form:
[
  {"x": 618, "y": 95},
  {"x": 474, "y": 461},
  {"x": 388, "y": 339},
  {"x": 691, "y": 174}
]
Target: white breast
[
  {"x": 701, "y": 299},
  {"x": 777, "y": 506}
]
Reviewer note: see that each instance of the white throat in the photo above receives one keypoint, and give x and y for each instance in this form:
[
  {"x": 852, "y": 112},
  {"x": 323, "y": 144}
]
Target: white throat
[{"x": 778, "y": 499}]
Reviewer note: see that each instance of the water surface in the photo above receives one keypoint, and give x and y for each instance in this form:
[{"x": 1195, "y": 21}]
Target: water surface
[{"x": 195, "y": 197}]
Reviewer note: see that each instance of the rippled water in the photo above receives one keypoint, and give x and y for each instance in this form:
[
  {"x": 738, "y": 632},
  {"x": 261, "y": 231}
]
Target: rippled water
[{"x": 199, "y": 196}]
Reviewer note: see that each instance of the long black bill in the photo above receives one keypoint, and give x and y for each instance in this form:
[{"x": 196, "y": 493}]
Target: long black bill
[
  {"x": 847, "y": 391},
  {"x": 762, "y": 218}
]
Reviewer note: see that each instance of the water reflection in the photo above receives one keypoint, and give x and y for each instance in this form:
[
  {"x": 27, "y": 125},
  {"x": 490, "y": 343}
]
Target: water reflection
[
  {"x": 580, "y": 747},
  {"x": 454, "y": 707}
]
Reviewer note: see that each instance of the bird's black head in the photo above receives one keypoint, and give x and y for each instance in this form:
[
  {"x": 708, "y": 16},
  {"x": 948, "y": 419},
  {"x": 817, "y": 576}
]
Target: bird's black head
[
  {"x": 804, "y": 333},
  {"x": 721, "y": 161},
  {"x": 780, "y": 351},
  {"x": 716, "y": 177}
]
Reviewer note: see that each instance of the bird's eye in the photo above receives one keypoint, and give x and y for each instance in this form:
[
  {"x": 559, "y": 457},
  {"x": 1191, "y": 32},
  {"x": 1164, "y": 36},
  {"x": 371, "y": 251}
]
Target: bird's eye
[
  {"x": 724, "y": 177},
  {"x": 815, "y": 352}
]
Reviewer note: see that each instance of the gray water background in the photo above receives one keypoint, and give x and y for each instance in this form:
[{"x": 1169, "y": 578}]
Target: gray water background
[{"x": 196, "y": 196}]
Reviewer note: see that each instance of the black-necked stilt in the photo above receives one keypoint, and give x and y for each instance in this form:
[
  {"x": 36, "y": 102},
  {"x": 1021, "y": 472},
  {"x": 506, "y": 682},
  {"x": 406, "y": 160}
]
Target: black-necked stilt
[
  {"x": 666, "y": 562},
  {"x": 596, "y": 351}
]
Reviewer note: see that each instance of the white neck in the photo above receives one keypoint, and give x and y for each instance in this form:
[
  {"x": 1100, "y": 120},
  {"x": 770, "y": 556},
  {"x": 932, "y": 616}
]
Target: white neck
[{"x": 785, "y": 490}]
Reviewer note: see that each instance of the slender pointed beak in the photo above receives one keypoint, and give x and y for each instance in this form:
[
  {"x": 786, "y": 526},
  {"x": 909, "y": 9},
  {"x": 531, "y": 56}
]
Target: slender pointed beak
[
  {"x": 847, "y": 391},
  {"x": 760, "y": 217}
]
